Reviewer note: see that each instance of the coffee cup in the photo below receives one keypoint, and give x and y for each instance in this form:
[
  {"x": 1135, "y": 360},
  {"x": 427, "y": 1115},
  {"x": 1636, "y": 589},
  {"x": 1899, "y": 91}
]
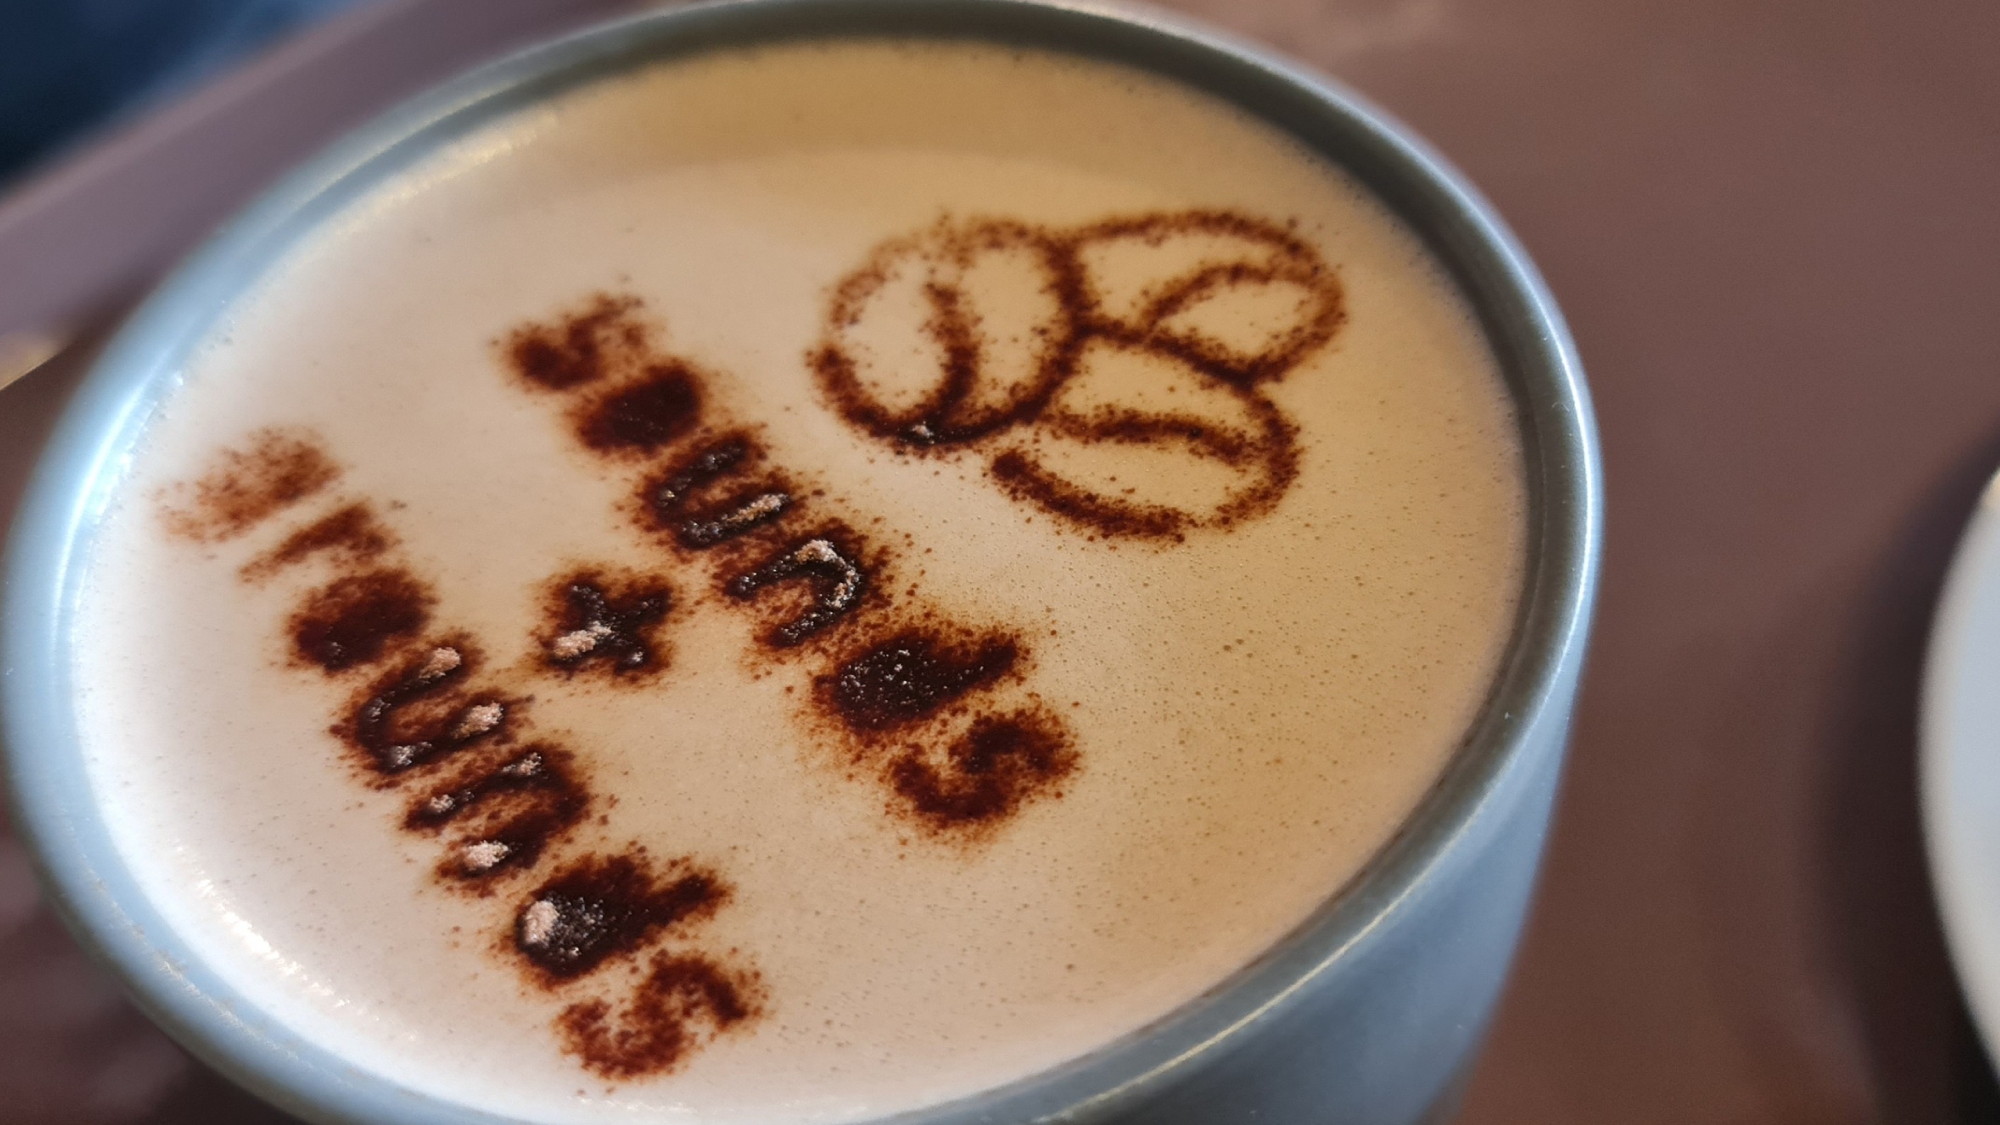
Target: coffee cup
[{"x": 743, "y": 531}]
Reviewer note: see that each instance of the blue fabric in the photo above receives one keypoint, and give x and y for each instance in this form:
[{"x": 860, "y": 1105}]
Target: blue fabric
[{"x": 67, "y": 66}]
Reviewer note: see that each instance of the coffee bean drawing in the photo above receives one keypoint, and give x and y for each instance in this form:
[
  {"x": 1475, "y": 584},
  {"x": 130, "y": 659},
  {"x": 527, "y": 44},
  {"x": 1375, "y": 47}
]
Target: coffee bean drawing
[{"x": 1113, "y": 375}]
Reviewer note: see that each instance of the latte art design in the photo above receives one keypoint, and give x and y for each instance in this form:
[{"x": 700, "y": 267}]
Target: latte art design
[
  {"x": 1032, "y": 353},
  {"x": 794, "y": 584},
  {"x": 1010, "y": 339}
]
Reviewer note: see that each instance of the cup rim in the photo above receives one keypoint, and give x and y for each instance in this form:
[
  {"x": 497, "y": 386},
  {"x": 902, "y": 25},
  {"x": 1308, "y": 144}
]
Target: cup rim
[{"x": 48, "y": 791}]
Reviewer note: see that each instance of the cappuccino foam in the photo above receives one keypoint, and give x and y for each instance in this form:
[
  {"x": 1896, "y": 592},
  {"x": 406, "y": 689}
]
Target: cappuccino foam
[{"x": 799, "y": 584}]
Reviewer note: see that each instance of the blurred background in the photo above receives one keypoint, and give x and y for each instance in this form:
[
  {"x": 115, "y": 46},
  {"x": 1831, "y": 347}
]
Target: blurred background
[
  {"x": 70, "y": 68},
  {"x": 1775, "y": 226}
]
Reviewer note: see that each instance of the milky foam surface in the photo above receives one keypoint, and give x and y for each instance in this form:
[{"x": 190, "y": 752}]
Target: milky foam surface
[{"x": 1255, "y": 708}]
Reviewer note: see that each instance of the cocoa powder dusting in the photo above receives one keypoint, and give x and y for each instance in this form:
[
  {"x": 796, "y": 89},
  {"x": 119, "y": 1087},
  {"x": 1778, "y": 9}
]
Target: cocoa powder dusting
[
  {"x": 969, "y": 405},
  {"x": 417, "y": 714},
  {"x": 350, "y": 535},
  {"x": 683, "y": 499},
  {"x": 1289, "y": 260},
  {"x": 1026, "y": 480},
  {"x": 247, "y": 486},
  {"x": 598, "y": 623},
  {"x": 911, "y": 676},
  {"x": 508, "y": 807},
  {"x": 537, "y": 766},
  {"x": 644, "y": 415},
  {"x": 684, "y": 1000},
  {"x": 989, "y": 773},
  {"x": 575, "y": 349},
  {"x": 951, "y": 413},
  {"x": 600, "y": 906},
  {"x": 355, "y": 619},
  {"x": 828, "y": 562}
]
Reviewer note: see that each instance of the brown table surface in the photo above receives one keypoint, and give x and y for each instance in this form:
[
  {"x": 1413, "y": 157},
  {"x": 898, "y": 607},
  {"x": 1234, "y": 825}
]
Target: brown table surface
[{"x": 1776, "y": 230}]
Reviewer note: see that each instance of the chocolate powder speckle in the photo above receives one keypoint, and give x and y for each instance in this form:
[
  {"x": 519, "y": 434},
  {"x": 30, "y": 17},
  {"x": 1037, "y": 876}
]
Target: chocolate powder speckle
[
  {"x": 911, "y": 676},
  {"x": 682, "y": 499},
  {"x": 576, "y": 349},
  {"x": 350, "y": 535},
  {"x": 987, "y": 775},
  {"x": 828, "y": 564},
  {"x": 417, "y": 714},
  {"x": 507, "y": 807},
  {"x": 355, "y": 619},
  {"x": 641, "y": 417},
  {"x": 683, "y": 1000},
  {"x": 953, "y": 413},
  {"x": 1027, "y": 480},
  {"x": 597, "y": 623},
  {"x": 247, "y": 486},
  {"x": 605, "y": 906}
]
